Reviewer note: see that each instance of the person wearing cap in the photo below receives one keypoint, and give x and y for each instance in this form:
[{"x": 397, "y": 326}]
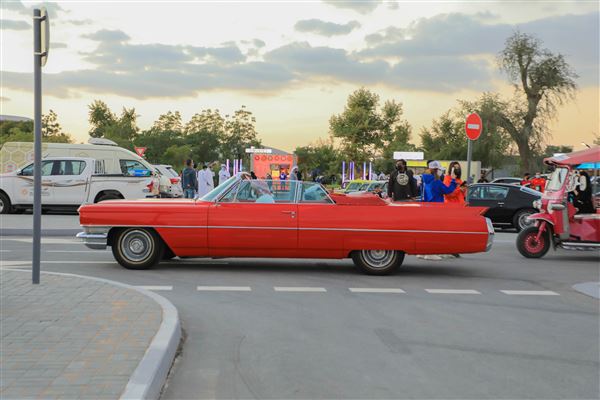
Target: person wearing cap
[
  {"x": 433, "y": 188},
  {"x": 223, "y": 174}
]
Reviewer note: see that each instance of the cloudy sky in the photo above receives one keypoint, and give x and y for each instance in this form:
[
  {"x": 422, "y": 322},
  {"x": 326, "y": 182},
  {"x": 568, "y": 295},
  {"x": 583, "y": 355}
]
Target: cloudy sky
[{"x": 291, "y": 63}]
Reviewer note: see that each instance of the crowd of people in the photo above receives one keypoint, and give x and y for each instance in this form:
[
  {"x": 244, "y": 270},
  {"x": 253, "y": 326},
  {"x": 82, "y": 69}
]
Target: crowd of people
[
  {"x": 435, "y": 185},
  {"x": 196, "y": 182}
]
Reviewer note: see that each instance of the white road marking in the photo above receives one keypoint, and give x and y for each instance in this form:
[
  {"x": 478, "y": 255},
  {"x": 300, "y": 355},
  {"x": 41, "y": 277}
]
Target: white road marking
[
  {"x": 5, "y": 251},
  {"x": 452, "y": 291},
  {"x": 298, "y": 289},
  {"x": 155, "y": 287},
  {"x": 531, "y": 292},
  {"x": 223, "y": 288},
  {"x": 70, "y": 251},
  {"x": 46, "y": 240},
  {"x": 375, "y": 290}
]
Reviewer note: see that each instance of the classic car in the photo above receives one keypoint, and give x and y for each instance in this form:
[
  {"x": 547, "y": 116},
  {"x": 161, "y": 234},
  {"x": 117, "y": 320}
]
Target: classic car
[
  {"x": 508, "y": 205},
  {"x": 281, "y": 219}
]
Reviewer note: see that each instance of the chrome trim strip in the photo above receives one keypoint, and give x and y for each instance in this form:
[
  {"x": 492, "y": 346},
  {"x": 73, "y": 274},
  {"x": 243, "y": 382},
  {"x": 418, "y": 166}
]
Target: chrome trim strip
[
  {"x": 289, "y": 228},
  {"x": 95, "y": 241}
]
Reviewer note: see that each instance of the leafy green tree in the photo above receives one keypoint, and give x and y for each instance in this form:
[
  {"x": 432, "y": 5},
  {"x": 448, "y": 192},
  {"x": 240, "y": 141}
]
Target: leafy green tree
[
  {"x": 240, "y": 133},
  {"x": 22, "y": 131},
  {"x": 366, "y": 132},
  {"x": 543, "y": 80},
  {"x": 446, "y": 138},
  {"x": 52, "y": 131},
  {"x": 321, "y": 157},
  {"x": 104, "y": 123},
  {"x": 176, "y": 155}
]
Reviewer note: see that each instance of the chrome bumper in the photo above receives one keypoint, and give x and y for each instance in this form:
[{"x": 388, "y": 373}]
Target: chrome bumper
[
  {"x": 491, "y": 233},
  {"x": 94, "y": 240}
]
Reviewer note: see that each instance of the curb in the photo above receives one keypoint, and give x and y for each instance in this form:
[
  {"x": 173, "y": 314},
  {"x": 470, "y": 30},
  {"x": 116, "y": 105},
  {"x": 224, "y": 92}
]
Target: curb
[
  {"x": 150, "y": 375},
  {"x": 45, "y": 232}
]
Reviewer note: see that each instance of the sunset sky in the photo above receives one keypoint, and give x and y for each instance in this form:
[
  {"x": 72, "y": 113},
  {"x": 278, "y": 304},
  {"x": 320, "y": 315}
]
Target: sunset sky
[{"x": 292, "y": 64}]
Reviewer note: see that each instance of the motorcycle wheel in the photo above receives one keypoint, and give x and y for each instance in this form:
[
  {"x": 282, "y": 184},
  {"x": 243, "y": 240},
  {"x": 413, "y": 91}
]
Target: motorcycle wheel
[{"x": 528, "y": 244}]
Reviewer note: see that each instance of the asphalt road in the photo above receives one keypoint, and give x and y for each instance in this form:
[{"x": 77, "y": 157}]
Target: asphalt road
[{"x": 318, "y": 329}]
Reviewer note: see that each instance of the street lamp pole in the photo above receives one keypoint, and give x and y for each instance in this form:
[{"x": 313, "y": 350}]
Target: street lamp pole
[{"x": 37, "y": 147}]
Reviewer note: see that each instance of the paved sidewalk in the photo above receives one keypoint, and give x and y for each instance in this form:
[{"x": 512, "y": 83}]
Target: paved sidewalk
[
  {"x": 71, "y": 337},
  {"x": 52, "y": 225}
]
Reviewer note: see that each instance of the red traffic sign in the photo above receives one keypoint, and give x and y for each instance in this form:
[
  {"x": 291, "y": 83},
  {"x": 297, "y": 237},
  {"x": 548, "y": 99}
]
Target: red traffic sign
[
  {"x": 473, "y": 126},
  {"x": 140, "y": 151}
]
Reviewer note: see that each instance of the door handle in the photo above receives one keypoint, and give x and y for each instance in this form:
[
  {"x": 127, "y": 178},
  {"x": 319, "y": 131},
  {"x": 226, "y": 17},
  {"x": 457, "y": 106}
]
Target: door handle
[
  {"x": 291, "y": 213},
  {"x": 500, "y": 203}
]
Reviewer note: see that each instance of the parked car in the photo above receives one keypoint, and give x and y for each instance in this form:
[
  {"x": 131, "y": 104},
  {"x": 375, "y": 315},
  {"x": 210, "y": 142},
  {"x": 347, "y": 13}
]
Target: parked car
[
  {"x": 170, "y": 182},
  {"x": 509, "y": 205},
  {"x": 511, "y": 181},
  {"x": 68, "y": 182},
  {"x": 289, "y": 219}
]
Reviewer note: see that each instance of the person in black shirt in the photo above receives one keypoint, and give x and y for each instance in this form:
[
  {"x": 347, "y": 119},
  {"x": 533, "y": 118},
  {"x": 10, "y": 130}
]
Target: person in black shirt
[{"x": 402, "y": 185}]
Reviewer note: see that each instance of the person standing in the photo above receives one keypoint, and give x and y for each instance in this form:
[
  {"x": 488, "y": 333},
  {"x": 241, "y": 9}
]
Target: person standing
[
  {"x": 402, "y": 184},
  {"x": 189, "y": 180},
  {"x": 204, "y": 181},
  {"x": 433, "y": 188},
  {"x": 526, "y": 181},
  {"x": 381, "y": 176},
  {"x": 483, "y": 178},
  {"x": 458, "y": 196},
  {"x": 223, "y": 174},
  {"x": 538, "y": 182}
]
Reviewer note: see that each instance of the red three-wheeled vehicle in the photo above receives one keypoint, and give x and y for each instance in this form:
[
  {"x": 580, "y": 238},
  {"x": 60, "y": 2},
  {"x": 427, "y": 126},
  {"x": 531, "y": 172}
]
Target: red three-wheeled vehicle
[{"x": 568, "y": 216}]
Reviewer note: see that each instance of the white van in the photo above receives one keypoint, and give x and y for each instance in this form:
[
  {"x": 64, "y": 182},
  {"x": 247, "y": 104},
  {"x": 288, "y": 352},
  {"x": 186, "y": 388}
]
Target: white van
[{"x": 116, "y": 160}]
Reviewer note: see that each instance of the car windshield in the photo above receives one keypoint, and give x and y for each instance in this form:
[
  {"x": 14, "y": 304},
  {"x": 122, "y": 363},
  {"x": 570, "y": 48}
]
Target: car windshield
[
  {"x": 172, "y": 172},
  {"x": 353, "y": 186},
  {"x": 557, "y": 179},
  {"x": 214, "y": 194}
]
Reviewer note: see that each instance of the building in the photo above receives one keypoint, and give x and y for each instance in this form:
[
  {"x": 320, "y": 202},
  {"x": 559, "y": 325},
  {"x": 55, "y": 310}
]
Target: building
[{"x": 272, "y": 161}]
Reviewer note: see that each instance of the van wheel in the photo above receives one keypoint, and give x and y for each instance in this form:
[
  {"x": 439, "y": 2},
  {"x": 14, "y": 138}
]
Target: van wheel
[
  {"x": 137, "y": 248},
  {"x": 5, "y": 206},
  {"x": 378, "y": 262},
  {"x": 107, "y": 196}
]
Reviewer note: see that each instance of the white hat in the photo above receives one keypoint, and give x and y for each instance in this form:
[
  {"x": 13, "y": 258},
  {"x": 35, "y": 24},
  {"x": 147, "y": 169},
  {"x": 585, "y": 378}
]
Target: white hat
[{"x": 435, "y": 165}]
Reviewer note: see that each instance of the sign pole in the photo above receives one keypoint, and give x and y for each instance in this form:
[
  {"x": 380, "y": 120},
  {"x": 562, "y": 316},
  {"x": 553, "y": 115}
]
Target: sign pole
[
  {"x": 37, "y": 147},
  {"x": 469, "y": 157}
]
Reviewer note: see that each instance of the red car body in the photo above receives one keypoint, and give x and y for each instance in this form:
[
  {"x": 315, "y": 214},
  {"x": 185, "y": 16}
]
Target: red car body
[{"x": 294, "y": 229}]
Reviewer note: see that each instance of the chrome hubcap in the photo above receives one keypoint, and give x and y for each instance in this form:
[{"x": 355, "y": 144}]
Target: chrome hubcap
[
  {"x": 378, "y": 258},
  {"x": 524, "y": 220},
  {"x": 137, "y": 245}
]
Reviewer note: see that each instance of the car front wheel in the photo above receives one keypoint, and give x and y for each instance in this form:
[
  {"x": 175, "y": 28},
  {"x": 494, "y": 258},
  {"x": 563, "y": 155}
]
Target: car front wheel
[
  {"x": 530, "y": 246},
  {"x": 378, "y": 262},
  {"x": 137, "y": 248}
]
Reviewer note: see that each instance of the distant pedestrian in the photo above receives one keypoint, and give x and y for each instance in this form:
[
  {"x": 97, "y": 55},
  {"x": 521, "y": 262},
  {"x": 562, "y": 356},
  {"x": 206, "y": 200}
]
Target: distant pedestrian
[
  {"x": 382, "y": 176},
  {"x": 526, "y": 181},
  {"x": 205, "y": 183},
  {"x": 223, "y": 174},
  {"x": 538, "y": 182},
  {"x": 189, "y": 180},
  {"x": 433, "y": 189},
  {"x": 458, "y": 196},
  {"x": 253, "y": 175},
  {"x": 402, "y": 184},
  {"x": 483, "y": 178}
]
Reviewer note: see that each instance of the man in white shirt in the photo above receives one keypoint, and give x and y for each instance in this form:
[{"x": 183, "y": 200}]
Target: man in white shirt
[
  {"x": 223, "y": 174},
  {"x": 205, "y": 181}
]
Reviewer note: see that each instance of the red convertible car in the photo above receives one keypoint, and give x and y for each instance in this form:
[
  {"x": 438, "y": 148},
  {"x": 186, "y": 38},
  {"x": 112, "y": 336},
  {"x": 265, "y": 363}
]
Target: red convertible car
[{"x": 289, "y": 219}]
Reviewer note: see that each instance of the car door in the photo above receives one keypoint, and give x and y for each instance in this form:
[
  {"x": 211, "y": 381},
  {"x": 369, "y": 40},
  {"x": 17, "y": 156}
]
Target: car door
[
  {"x": 24, "y": 184},
  {"x": 491, "y": 196},
  {"x": 70, "y": 182},
  {"x": 257, "y": 218}
]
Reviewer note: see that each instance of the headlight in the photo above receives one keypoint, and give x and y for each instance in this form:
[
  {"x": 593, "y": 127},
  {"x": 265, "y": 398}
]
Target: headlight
[{"x": 537, "y": 204}]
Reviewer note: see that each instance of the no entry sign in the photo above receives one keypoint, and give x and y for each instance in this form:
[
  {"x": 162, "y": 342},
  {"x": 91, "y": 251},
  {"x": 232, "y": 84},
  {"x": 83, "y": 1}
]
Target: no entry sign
[{"x": 473, "y": 126}]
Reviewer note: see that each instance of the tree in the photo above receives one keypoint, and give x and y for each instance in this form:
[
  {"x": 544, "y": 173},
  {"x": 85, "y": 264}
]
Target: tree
[
  {"x": 321, "y": 157},
  {"x": 240, "y": 133},
  {"x": 52, "y": 131},
  {"x": 176, "y": 155},
  {"x": 104, "y": 123},
  {"x": 366, "y": 132},
  {"x": 543, "y": 80}
]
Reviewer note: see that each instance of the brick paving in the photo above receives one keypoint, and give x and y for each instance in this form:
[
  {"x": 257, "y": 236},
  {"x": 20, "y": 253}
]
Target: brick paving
[{"x": 70, "y": 337}]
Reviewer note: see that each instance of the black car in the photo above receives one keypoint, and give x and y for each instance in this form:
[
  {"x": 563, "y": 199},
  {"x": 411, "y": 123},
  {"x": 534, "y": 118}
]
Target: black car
[{"x": 509, "y": 205}]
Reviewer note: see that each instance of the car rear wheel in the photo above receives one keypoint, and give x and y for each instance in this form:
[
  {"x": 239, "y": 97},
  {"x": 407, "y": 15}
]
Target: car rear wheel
[
  {"x": 137, "y": 248},
  {"x": 530, "y": 246},
  {"x": 378, "y": 262},
  {"x": 521, "y": 221}
]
